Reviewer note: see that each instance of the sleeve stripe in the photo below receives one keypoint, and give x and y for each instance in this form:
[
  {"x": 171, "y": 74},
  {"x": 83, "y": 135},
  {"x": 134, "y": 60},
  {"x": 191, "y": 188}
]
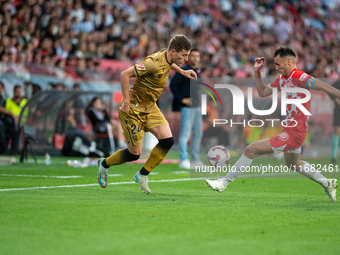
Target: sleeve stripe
[
  {"x": 269, "y": 86},
  {"x": 307, "y": 82},
  {"x": 136, "y": 71}
]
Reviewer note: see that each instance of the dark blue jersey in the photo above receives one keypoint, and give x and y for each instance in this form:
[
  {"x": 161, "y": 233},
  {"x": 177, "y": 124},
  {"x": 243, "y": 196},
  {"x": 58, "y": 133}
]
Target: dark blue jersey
[{"x": 180, "y": 87}]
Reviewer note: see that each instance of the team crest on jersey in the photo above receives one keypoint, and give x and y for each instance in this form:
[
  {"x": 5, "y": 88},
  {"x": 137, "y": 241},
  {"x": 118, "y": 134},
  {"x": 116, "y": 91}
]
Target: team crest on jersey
[
  {"x": 160, "y": 76},
  {"x": 141, "y": 67},
  {"x": 283, "y": 136},
  {"x": 303, "y": 77}
]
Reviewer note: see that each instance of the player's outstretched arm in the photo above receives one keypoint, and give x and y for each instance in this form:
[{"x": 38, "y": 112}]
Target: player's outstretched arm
[
  {"x": 319, "y": 85},
  {"x": 125, "y": 83},
  {"x": 262, "y": 89},
  {"x": 187, "y": 73}
]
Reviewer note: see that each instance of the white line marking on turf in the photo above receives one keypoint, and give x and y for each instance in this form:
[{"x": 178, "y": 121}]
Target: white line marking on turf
[
  {"x": 264, "y": 175},
  {"x": 120, "y": 183},
  {"x": 95, "y": 184},
  {"x": 181, "y": 172},
  {"x": 42, "y": 176},
  {"x": 114, "y": 175},
  {"x": 42, "y": 161}
]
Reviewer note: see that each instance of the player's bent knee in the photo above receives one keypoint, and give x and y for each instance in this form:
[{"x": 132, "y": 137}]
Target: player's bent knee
[
  {"x": 249, "y": 151},
  {"x": 129, "y": 156},
  {"x": 166, "y": 143}
]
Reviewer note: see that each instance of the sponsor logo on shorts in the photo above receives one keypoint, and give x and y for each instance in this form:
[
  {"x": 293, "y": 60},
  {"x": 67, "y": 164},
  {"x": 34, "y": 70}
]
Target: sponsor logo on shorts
[{"x": 284, "y": 136}]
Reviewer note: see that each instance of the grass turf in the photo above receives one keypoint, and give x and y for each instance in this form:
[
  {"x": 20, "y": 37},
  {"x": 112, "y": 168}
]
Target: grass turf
[{"x": 253, "y": 215}]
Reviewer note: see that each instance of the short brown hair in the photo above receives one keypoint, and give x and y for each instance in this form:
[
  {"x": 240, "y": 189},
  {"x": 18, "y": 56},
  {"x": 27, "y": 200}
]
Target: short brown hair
[
  {"x": 179, "y": 43},
  {"x": 284, "y": 51}
]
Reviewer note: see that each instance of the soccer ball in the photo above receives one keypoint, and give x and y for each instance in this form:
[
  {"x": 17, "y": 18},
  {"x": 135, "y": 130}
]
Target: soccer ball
[{"x": 218, "y": 156}]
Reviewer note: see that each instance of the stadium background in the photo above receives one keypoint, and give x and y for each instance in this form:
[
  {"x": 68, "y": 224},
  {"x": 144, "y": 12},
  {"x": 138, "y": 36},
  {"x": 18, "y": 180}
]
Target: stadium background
[
  {"x": 55, "y": 44},
  {"x": 59, "y": 209}
]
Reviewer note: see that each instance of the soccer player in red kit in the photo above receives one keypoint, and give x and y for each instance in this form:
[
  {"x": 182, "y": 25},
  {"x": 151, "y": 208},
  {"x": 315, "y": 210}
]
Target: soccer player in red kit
[{"x": 295, "y": 124}]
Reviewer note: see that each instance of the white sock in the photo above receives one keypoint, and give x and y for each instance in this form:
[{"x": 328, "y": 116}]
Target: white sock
[
  {"x": 237, "y": 169},
  {"x": 310, "y": 172}
]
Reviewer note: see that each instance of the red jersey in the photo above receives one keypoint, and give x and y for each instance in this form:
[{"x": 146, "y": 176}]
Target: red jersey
[{"x": 295, "y": 120}]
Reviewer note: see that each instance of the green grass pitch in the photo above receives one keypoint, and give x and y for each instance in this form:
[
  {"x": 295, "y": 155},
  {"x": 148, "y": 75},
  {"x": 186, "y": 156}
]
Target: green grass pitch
[{"x": 77, "y": 216}]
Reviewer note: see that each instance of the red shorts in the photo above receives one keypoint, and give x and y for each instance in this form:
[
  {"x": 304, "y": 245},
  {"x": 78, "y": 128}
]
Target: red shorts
[{"x": 287, "y": 141}]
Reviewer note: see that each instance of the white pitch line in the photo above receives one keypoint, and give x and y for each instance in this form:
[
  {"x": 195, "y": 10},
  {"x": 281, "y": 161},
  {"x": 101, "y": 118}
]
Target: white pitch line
[
  {"x": 181, "y": 172},
  {"x": 50, "y": 187},
  {"x": 42, "y": 176},
  {"x": 94, "y": 184},
  {"x": 120, "y": 183},
  {"x": 266, "y": 174},
  {"x": 42, "y": 161}
]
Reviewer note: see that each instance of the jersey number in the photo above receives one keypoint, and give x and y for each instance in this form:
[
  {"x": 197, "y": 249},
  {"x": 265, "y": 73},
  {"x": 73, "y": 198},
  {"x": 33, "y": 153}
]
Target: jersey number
[{"x": 133, "y": 128}]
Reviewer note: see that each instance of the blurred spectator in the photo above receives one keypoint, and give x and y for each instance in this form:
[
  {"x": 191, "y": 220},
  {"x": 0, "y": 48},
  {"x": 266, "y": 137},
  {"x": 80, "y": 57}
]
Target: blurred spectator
[
  {"x": 35, "y": 88},
  {"x": 76, "y": 86},
  {"x": 60, "y": 68},
  {"x": 15, "y": 105},
  {"x": 80, "y": 68},
  {"x": 20, "y": 69},
  {"x": 336, "y": 124},
  {"x": 58, "y": 86},
  {"x": 99, "y": 118},
  {"x": 87, "y": 25},
  {"x": 2, "y": 98},
  {"x": 71, "y": 123},
  {"x": 4, "y": 63},
  {"x": 6, "y": 120},
  {"x": 37, "y": 56},
  {"x": 227, "y": 33},
  {"x": 186, "y": 100},
  {"x": 78, "y": 11},
  {"x": 95, "y": 71},
  {"x": 98, "y": 115}
]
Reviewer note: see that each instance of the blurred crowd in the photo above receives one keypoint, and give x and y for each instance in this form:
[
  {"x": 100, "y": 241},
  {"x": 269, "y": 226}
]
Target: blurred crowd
[{"x": 62, "y": 34}]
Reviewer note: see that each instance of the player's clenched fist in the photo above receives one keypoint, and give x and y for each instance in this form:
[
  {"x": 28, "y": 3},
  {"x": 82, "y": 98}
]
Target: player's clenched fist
[
  {"x": 125, "y": 107},
  {"x": 190, "y": 74},
  {"x": 259, "y": 63}
]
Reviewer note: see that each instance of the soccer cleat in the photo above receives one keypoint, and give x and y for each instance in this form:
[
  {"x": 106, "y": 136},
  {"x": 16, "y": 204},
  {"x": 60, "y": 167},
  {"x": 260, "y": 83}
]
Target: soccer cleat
[
  {"x": 216, "y": 185},
  {"x": 331, "y": 189},
  {"x": 143, "y": 182},
  {"x": 102, "y": 173}
]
